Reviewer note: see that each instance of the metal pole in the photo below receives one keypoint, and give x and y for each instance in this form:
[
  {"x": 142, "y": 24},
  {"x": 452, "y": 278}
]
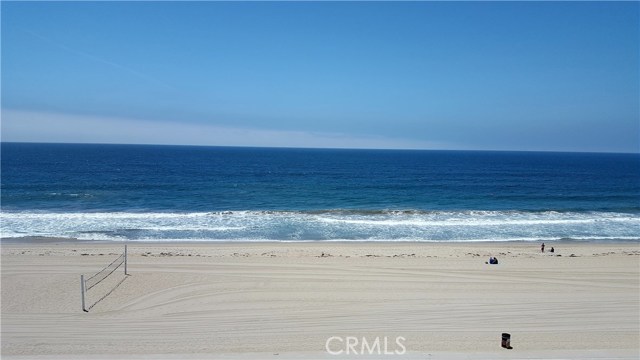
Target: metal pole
[
  {"x": 125, "y": 259},
  {"x": 82, "y": 292}
]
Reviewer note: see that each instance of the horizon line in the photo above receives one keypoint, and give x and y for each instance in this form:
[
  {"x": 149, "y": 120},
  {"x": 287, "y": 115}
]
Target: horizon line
[{"x": 318, "y": 148}]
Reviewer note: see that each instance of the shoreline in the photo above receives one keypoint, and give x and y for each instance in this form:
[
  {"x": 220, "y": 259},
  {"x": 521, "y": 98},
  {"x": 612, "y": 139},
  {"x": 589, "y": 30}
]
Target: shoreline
[
  {"x": 254, "y": 300},
  {"x": 69, "y": 240},
  {"x": 347, "y": 249}
]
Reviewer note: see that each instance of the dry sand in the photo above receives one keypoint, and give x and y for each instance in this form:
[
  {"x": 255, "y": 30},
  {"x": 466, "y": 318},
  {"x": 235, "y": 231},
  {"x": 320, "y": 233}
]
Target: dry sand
[{"x": 284, "y": 300}]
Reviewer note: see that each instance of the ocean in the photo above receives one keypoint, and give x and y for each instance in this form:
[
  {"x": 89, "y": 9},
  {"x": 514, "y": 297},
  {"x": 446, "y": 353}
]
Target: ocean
[{"x": 186, "y": 193}]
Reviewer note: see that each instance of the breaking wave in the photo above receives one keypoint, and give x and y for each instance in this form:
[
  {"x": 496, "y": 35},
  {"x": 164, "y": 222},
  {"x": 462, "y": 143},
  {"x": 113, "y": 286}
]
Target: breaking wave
[{"x": 325, "y": 225}]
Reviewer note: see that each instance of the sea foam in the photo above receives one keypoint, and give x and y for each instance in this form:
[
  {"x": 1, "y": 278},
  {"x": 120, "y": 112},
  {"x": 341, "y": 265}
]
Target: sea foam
[{"x": 325, "y": 225}]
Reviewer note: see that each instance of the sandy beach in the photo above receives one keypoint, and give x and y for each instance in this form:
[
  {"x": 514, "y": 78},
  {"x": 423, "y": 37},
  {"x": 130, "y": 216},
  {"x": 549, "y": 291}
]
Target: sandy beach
[{"x": 286, "y": 300}]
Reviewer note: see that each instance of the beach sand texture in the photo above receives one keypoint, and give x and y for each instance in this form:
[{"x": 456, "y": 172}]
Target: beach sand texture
[{"x": 284, "y": 300}]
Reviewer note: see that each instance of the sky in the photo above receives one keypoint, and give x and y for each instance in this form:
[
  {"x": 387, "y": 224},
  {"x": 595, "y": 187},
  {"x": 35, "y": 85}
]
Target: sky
[{"x": 531, "y": 76}]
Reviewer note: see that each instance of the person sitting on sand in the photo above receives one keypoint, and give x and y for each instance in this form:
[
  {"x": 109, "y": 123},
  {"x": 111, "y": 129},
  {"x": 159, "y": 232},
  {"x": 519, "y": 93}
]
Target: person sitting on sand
[{"x": 551, "y": 250}]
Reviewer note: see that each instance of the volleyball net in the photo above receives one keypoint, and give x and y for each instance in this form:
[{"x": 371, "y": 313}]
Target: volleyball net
[{"x": 89, "y": 282}]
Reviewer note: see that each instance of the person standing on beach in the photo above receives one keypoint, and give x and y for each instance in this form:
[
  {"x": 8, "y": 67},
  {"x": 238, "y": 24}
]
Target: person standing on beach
[{"x": 542, "y": 247}]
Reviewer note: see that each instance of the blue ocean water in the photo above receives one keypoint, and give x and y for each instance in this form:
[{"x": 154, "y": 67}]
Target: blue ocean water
[{"x": 159, "y": 193}]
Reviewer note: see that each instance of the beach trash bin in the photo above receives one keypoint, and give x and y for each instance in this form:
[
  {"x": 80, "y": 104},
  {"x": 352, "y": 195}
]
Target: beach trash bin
[{"x": 506, "y": 341}]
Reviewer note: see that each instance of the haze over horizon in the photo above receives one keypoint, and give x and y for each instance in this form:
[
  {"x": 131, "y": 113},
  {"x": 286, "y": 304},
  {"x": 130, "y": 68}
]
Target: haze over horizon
[{"x": 535, "y": 76}]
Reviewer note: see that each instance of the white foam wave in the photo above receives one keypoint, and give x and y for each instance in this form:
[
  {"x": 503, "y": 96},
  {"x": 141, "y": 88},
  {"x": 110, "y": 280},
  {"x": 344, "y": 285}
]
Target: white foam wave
[
  {"x": 328, "y": 226},
  {"x": 462, "y": 222}
]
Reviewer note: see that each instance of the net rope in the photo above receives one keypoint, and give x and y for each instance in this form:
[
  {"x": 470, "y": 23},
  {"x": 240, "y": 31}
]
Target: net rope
[
  {"x": 107, "y": 294},
  {"x": 98, "y": 277}
]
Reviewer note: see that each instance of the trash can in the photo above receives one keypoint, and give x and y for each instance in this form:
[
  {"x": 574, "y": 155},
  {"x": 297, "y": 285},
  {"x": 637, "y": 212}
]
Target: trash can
[{"x": 506, "y": 341}]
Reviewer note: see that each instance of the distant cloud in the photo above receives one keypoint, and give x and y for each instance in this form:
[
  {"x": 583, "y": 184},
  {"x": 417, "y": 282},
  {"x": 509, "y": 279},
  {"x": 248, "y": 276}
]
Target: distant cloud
[{"x": 31, "y": 126}]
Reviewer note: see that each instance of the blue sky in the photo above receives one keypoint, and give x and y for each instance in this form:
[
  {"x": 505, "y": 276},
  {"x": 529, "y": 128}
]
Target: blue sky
[{"x": 435, "y": 75}]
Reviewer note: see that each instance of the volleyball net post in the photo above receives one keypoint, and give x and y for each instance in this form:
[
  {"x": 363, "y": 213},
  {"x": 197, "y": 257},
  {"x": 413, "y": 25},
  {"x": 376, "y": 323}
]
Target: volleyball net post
[
  {"x": 82, "y": 291},
  {"x": 88, "y": 283}
]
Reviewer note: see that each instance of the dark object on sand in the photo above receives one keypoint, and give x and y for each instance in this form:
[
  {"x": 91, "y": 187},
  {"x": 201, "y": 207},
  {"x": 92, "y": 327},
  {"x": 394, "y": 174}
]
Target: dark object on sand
[
  {"x": 552, "y": 250},
  {"x": 493, "y": 260},
  {"x": 506, "y": 341}
]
